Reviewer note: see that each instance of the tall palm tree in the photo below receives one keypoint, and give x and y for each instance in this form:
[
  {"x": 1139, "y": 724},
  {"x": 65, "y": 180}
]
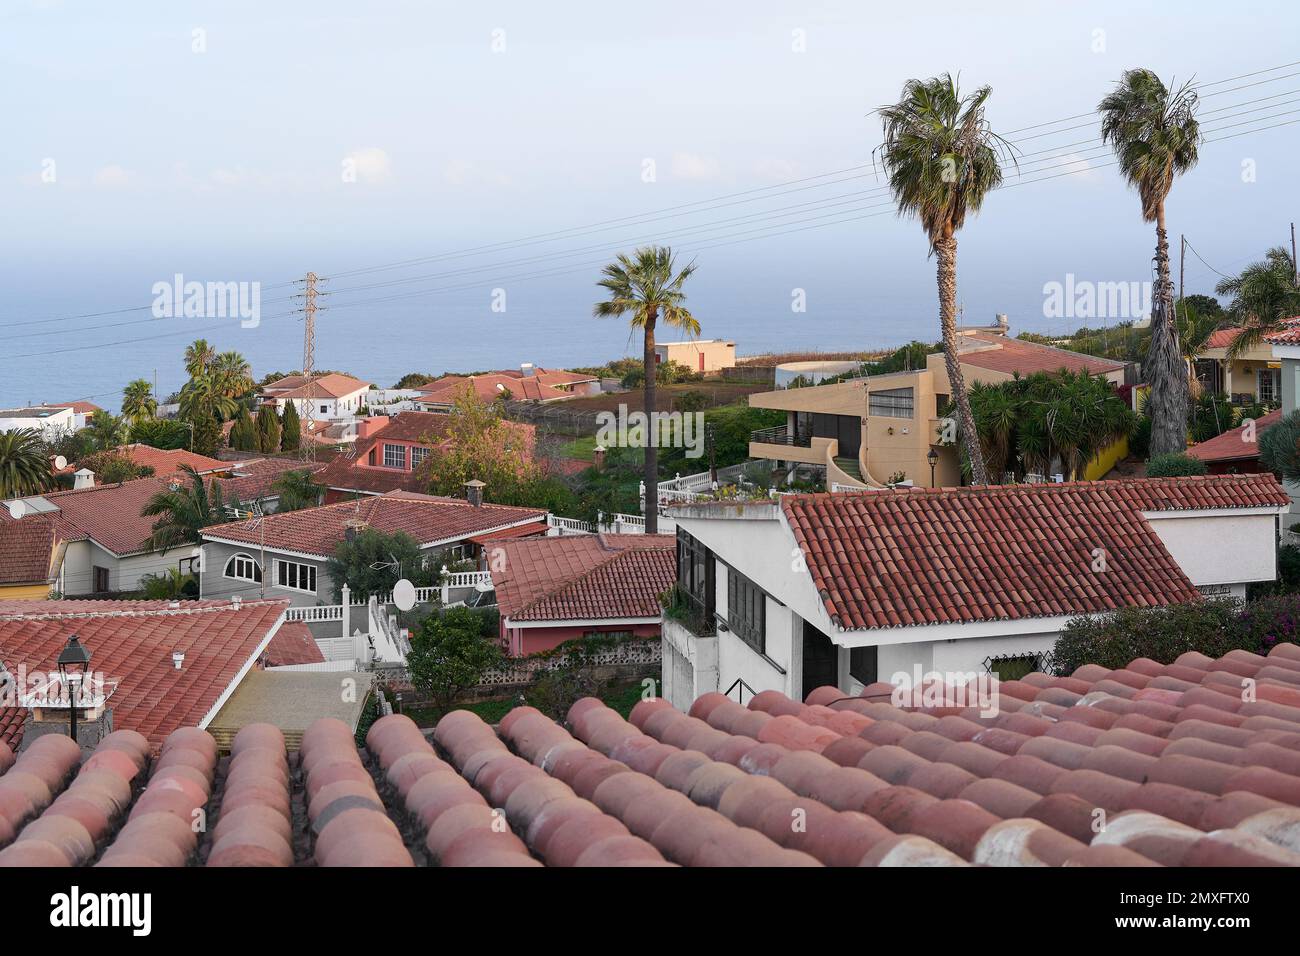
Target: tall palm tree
[
  {"x": 1156, "y": 137},
  {"x": 647, "y": 286},
  {"x": 105, "y": 430},
  {"x": 202, "y": 396},
  {"x": 24, "y": 467},
  {"x": 942, "y": 159},
  {"x": 232, "y": 373},
  {"x": 1264, "y": 296},
  {"x": 184, "y": 509},
  {"x": 138, "y": 402},
  {"x": 198, "y": 356}
]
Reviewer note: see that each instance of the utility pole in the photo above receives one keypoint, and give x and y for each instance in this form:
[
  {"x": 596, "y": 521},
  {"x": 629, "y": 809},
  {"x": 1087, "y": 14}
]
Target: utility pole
[
  {"x": 1294, "y": 264},
  {"x": 1182, "y": 263},
  {"x": 306, "y": 445}
]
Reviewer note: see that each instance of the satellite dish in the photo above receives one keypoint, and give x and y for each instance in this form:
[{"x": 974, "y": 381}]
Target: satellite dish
[
  {"x": 404, "y": 595},
  {"x": 60, "y": 463}
]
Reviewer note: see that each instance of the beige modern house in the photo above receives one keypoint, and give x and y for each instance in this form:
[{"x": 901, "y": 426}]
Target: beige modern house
[
  {"x": 877, "y": 430},
  {"x": 1253, "y": 376},
  {"x": 698, "y": 355}
]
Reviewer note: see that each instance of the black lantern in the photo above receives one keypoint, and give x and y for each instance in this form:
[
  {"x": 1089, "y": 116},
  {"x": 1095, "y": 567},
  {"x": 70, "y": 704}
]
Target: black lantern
[
  {"x": 932, "y": 457},
  {"x": 73, "y": 661}
]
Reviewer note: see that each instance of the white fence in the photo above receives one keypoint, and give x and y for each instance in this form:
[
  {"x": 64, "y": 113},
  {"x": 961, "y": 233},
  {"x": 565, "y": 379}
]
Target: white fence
[
  {"x": 562, "y": 526},
  {"x": 526, "y": 671}
]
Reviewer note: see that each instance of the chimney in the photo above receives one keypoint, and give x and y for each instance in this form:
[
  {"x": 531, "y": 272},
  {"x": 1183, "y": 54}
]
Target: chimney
[
  {"x": 474, "y": 492},
  {"x": 178, "y": 658},
  {"x": 83, "y": 478},
  {"x": 528, "y": 369},
  {"x": 1003, "y": 322},
  {"x": 598, "y": 457},
  {"x": 369, "y": 426}
]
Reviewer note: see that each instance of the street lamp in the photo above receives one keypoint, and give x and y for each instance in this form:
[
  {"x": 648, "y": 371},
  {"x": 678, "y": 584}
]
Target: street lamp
[
  {"x": 932, "y": 457},
  {"x": 73, "y": 661}
]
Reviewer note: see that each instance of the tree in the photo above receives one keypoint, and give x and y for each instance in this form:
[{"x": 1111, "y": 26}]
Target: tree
[
  {"x": 185, "y": 508},
  {"x": 1279, "y": 447},
  {"x": 198, "y": 356},
  {"x": 1264, "y": 296},
  {"x": 290, "y": 428},
  {"x": 202, "y": 397},
  {"x": 112, "y": 467},
  {"x": 169, "y": 585},
  {"x": 1174, "y": 464},
  {"x": 268, "y": 429},
  {"x": 24, "y": 469},
  {"x": 413, "y": 380},
  {"x": 479, "y": 444},
  {"x": 1206, "y": 305},
  {"x": 138, "y": 402},
  {"x": 450, "y": 653},
  {"x": 371, "y": 562},
  {"x": 647, "y": 286},
  {"x": 164, "y": 433},
  {"x": 1156, "y": 137},
  {"x": 296, "y": 490},
  {"x": 942, "y": 160},
  {"x": 205, "y": 435},
  {"x": 232, "y": 375},
  {"x": 105, "y": 430},
  {"x": 243, "y": 434}
]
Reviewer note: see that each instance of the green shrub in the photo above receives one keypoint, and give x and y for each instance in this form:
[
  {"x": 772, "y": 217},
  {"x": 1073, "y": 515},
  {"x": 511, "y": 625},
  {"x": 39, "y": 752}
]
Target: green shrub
[
  {"x": 1269, "y": 621},
  {"x": 1139, "y": 442},
  {"x": 1174, "y": 465},
  {"x": 1162, "y": 634}
]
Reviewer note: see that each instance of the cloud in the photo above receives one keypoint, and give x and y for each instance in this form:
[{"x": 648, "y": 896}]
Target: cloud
[
  {"x": 111, "y": 177},
  {"x": 695, "y": 166},
  {"x": 1077, "y": 166},
  {"x": 369, "y": 164}
]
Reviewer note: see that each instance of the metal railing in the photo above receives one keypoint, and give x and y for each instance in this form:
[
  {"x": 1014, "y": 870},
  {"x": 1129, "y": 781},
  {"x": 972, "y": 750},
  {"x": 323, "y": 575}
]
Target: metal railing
[
  {"x": 740, "y": 687},
  {"x": 780, "y": 435}
]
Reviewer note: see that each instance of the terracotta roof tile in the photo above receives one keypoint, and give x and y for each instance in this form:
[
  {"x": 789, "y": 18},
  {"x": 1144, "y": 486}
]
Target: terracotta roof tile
[
  {"x": 27, "y": 548},
  {"x": 1017, "y": 355}
]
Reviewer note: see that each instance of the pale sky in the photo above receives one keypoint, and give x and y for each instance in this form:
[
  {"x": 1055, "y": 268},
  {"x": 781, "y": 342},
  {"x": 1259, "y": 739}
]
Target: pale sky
[{"x": 240, "y": 141}]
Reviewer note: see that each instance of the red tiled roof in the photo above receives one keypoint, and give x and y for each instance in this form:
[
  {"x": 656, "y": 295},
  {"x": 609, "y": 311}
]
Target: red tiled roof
[
  {"x": 347, "y": 473},
  {"x": 133, "y": 649},
  {"x": 168, "y": 462},
  {"x": 488, "y": 388},
  {"x": 292, "y": 644},
  {"x": 1290, "y": 335},
  {"x": 952, "y": 555},
  {"x": 109, "y": 514},
  {"x": 628, "y": 585},
  {"x": 317, "y": 531},
  {"x": 531, "y": 569},
  {"x": 504, "y": 534},
  {"x": 1222, "y": 338},
  {"x": 78, "y": 408},
  {"x": 1017, "y": 355},
  {"x": 27, "y": 548},
  {"x": 333, "y": 385},
  {"x": 251, "y": 480},
  {"x": 1235, "y": 443}
]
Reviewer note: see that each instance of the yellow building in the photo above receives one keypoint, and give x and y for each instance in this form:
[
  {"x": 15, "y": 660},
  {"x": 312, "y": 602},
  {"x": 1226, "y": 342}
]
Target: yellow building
[
  {"x": 698, "y": 355},
  {"x": 31, "y": 557},
  {"x": 1253, "y": 376},
  {"x": 868, "y": 432}
]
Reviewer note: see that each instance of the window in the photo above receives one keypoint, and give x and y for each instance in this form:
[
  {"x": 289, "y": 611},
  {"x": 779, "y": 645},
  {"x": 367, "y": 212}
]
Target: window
[
  {"x": 746, "y": 610},
  {"x": 395, "y": 456},
  {"x": 371, "y": 459},
  {"x": 418, "y": 455},
  {"x": 692, "y": 568},
  {"x": 324, "y": 409},
  {"x": 1013, "y": 666},
  {"x": 1270, "y": 384},
  {"x": 101, "y": 579},
  {"x": 862, "y": 664},
  {"x": 241, "y": 567},
  {"x": 615, "y": 635},
  {"x": 891, "y": 403},
  {"x": 296, "y": 577}
]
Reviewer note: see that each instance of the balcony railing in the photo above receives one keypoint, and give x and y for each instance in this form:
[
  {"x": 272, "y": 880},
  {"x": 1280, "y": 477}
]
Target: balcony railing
[{"x": 780, "y": 436}]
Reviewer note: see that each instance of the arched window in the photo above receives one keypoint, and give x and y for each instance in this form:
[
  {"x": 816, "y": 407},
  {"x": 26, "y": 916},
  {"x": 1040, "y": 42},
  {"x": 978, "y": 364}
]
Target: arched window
[{"x": 242, "y": 567}]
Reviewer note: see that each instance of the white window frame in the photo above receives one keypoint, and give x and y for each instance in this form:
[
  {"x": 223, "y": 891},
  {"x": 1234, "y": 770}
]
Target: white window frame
[
  {"x": 386, "y": 462},
  {"x": 282, "y": 575},
  {"x": 240, "y": 556},
  {"x": 418, "y": 455}
]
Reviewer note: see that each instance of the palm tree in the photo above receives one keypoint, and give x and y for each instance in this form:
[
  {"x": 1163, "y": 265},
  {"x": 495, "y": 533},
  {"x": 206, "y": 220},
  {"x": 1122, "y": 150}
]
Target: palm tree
[
  {"x": 942, "y": 159},
  {"x": 105, "y": 430},
  {"x": 1264, "y": 296},
  {"x": 202, "y": 396},
  {"x": 138, "y": 402},
  {"x": 1156, "y": 137},
  {"x": 296, "y": 491},
  {"x": 184, "y": 509},
  {"x": 232, "y": 374},
  {"x": 647, "y": 286},
  {"x": 198, "y": 356},
  {"x": 24, "y": 467}
]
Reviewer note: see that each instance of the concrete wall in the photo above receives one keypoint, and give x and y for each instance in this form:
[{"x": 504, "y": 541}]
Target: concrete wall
[
  {"x": 124, "y": 574},
  {"x": 1220, "y": 549}
]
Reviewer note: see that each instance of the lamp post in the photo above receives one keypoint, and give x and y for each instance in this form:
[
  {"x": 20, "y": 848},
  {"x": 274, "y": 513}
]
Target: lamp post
[
  {"x": 73, "y": 661},
  {"x": 932, "y": 457}
]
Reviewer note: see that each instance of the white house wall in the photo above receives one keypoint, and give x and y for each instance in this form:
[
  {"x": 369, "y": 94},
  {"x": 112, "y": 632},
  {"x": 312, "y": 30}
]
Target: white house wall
[
  {"x": 1220, "y": 548},
  {"x": 124, "y": 574}
]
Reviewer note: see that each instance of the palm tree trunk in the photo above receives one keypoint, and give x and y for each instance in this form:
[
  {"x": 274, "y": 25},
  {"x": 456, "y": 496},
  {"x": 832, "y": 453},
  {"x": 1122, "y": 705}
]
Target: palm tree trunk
[
  {"x": 1167, "y": 404},
  {"x": 651, "y": 474},
  {"x": 946, "y": 252}
]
